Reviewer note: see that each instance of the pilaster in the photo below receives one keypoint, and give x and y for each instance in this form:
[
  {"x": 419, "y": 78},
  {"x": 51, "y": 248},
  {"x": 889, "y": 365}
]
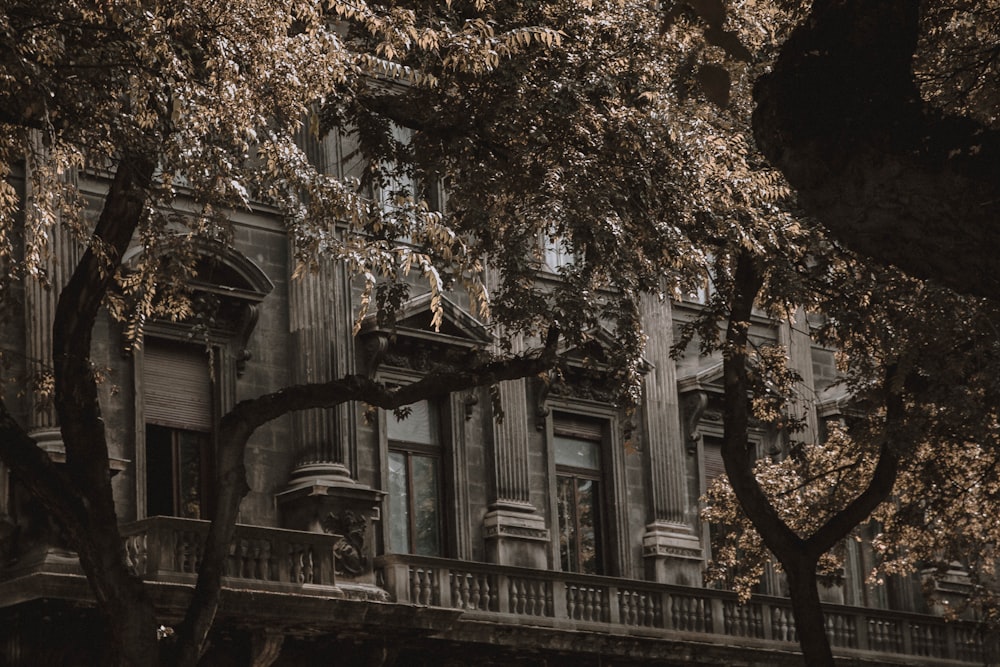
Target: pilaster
[
  {"x": 671, "y": 548},
  {"x": 794, "y": 335},
  {"x": 514, "y": 531},
  {"x": 322, "y": 494}
]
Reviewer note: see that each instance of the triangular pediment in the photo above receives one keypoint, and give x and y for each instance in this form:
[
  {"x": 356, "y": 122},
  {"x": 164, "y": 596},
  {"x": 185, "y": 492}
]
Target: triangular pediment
[
  {"x": 414, "y": 319},
  {"x": 704, "y": 378}
]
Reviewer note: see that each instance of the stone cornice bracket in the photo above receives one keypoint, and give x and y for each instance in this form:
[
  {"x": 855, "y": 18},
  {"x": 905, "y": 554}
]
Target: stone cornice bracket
[
  {"x": 470, "y": 401},
  {"x": 266, "y": 647},
  {"x": 249, "y": 314},
  {"x": 694, "y": 407},
  {"x": 541, "y": 409},
  {"x": 375, "y": 346}
]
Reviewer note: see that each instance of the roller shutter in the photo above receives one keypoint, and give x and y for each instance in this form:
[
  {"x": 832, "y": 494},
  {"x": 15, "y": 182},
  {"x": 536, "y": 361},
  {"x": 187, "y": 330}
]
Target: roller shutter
[{"x": 177, "y": 386}]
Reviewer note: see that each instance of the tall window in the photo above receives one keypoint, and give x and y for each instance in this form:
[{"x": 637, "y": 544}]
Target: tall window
[
  {"x": 415, "y": 482},
  {"x": 177, "y": 403},
  {"x": 579, "y": 494},
  {"x": 557, "y": 253}
]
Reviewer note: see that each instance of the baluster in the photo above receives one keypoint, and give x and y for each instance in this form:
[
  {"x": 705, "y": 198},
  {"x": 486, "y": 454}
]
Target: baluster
[
  {"x": 485, "y": 593},
  {"x": 685, "y": 613},
  {"x": 474, "y": 594},
  {"x": 648, "y": 611},
  {"x": 516, "y": 596},
  {"x": 310, "y": 571},
  {"x": 460, "y": 590},
  {"x": 571, "y": 601}
]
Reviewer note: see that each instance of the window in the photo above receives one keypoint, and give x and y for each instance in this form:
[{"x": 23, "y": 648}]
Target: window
[
  {"x": 397, "y": 181},
  {"x": 577, "y": 446},
  {"x": 178, "y": 413},
  {"x": 415, "y": 517},
  {"x": 557, "y": 253}
]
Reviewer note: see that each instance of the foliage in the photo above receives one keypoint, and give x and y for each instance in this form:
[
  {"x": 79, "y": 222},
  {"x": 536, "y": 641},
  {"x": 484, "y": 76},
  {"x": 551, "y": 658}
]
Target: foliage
[
  {"x": 620, "y": 129},
  {"x": 564, "y": 121}
]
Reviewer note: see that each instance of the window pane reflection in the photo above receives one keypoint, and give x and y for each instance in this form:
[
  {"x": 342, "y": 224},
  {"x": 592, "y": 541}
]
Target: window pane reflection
[{"x": 399, "y": 504}]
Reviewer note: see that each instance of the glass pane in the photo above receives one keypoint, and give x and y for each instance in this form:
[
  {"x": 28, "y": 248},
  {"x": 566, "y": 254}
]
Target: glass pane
[
  {"x": 426, "y": 506},
  {"x": 587, "y": 523},
  {"x": 418, "y": 427},
  {"x": 566, "y": 502},
  {"x": 577, "y": 452},
  {"x": 399, "y": 505},
  {"x": 578, "y": 502},
  {"x": 188, "y": 453}
]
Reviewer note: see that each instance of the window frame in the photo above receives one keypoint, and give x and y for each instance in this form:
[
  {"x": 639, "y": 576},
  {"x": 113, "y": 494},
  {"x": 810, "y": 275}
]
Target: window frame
[
  {"x": 222, "y": 391},
  {"x": 452, "y": 498},
  {"x": 411, "y": 450},
  {"x": 615, "y": 533}
]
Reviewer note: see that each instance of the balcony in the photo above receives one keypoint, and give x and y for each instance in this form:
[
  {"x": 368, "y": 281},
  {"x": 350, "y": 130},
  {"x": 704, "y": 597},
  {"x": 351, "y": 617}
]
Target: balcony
[
  {"x": 169, "y": 550},
  {"x": 285, "y": 580},
  {"x": 637, "y": 609}
]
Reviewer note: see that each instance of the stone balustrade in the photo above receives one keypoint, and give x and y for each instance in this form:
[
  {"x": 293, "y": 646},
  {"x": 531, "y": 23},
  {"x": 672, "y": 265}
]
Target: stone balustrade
[
  {"x": 169, "y": 549},
  {"x": 559, "y": 599}
]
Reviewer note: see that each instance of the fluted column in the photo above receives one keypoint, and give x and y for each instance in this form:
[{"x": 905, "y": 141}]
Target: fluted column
[
  {"x": 794, "y": 335},
  {"x": 671, "y": 548},
  {"x": 323, "y": 495},
  {"x": 515, "y": 532},
  {"x": 314, "y": 324},
  {"x": 510, "y": 439},
  {"x": 40, "y": 301}
]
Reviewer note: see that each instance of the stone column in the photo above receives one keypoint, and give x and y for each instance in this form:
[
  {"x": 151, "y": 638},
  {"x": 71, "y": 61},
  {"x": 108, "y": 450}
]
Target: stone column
[
  {"x": 322, "y": 494},
  {"x": 671, "y": 547},
  {"x": 515, "y": 532},
  {"x": 314, "y": 324},
  {"x": 794, "y": 336},
  {"x": 40, "y": 311},
  {"x": 40, "y": 301}
]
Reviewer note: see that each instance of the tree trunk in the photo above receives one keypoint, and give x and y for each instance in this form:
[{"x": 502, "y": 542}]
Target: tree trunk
[
  {"x": 809, "y": 622},
  {"x": 128, "y": 614}
]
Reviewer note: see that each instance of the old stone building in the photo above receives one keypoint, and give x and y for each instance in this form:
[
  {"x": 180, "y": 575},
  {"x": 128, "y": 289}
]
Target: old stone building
[{"x": 565, "y": 534}]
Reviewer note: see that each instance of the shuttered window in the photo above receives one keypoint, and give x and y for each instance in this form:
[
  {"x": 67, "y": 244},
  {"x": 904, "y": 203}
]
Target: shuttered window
[
  {"x": 714, "y": 467},
  {"x": 177, "y": 386},
  {"x": 178, "y": 408}
]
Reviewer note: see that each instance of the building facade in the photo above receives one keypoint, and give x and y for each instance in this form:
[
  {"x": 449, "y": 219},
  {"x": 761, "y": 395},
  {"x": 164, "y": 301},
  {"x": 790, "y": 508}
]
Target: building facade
[{"x": 565, "y": 533}]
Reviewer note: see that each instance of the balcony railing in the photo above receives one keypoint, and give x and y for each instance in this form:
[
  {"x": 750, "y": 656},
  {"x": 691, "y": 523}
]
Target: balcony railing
[
  {"x": 169, "y": 549},
  {"x": 518, "y": 595}
]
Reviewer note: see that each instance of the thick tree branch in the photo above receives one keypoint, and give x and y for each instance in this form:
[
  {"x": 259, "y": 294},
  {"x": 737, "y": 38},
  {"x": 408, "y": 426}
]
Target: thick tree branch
[
  {"x": 879, "y": 486},
  {"x": 737, "y": 454},
  {"x": 890, "y": 176}
]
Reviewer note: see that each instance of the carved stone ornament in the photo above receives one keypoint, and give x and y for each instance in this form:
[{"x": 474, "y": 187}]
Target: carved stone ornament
[{"x": 350, "y": 553}]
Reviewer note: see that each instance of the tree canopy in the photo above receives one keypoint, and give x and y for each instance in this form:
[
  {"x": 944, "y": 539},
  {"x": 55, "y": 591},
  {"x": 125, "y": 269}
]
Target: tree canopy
[
  {"x": 545, "y": 123},
  {"x": 621, "y": 131}
]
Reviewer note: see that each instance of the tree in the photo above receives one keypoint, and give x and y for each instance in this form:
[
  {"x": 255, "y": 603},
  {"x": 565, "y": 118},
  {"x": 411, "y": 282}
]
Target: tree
[
  {"x": 867, "y": 123},
  {"x": 537, "y": 117},
  {"x": 883, "y": 117}
]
